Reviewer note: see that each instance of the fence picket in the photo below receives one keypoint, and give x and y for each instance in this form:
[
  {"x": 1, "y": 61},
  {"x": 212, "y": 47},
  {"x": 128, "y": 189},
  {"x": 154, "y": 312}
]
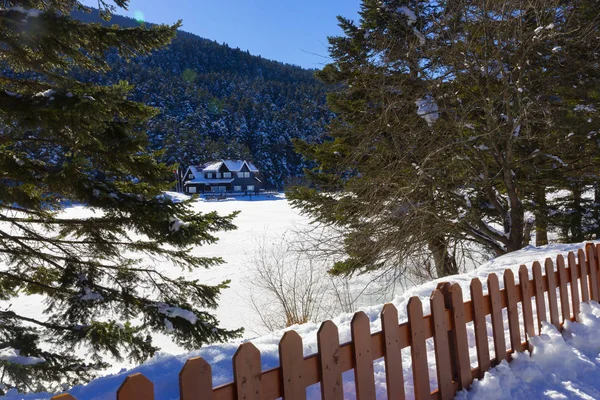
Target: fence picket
[
  {"x": 593, "y": 271},
  {"x": 479, "y": 322},
  {"x": 394, "y": 375},
  {"x": 512, "y": 311},
  {"x": 136, "y": 387},
  {"x": 442, "y": 351},
  {"x": 418, "y": 349},
  {"x": 552, "y": 300},
  {"x": 360, "y": 328},
  {"x": 574, "y": 284},
  {"x": 526, "y": 301},
  {"x": 195, "y": 380},
  {"x": 496, "y": 314},
  {"x": 585, "y": 288},
  {"x": 563, "y": 278},
  {"x": 329, "y": 357},
  {"x": 540, "y": 301},
  {"x": 291, "y": 359},
  {"x": 64, "y": 396},
  {"x": 247, "y": 372},
  {"x": 460, "y": 336}
]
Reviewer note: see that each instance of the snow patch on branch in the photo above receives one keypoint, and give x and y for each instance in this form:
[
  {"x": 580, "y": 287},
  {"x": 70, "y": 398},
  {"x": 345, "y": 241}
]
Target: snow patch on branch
[
  {"x": 14, "y": 356},
  {"x": 90, "y": 296},
  {"x": 428, "y": 109},
  {"x": 175, "y": 224},
  {"x": 173, "y": 312}
]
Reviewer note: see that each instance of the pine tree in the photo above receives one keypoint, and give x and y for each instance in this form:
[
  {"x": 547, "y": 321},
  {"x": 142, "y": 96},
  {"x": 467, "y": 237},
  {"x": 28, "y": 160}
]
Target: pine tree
[
  {"x": 453, "y": 119},
  {"x": 103, "y": 278}
]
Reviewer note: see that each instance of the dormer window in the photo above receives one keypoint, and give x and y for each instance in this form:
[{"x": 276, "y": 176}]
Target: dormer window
[
  {"x": 209, "y": 175},
  {"x": 218, "y": 175},
  {"x": 226, "y": 174},
  {"x": 243, "y": 174}
]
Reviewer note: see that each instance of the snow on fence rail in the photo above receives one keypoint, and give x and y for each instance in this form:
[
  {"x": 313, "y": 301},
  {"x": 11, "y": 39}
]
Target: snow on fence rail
[{"x": 563, "y": 288}]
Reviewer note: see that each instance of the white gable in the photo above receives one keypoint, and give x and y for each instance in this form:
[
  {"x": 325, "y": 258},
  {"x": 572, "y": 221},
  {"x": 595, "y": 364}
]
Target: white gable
[{"x": 232, "y": 165}]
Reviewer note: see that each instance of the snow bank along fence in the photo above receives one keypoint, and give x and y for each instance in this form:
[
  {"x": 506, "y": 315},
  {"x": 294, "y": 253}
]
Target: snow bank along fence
[{"x": 559, "y": 291}]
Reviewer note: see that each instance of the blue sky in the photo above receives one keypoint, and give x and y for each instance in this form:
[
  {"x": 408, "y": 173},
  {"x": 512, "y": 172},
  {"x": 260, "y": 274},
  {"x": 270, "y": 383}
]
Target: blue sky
[{"x": 294, "y": 32}]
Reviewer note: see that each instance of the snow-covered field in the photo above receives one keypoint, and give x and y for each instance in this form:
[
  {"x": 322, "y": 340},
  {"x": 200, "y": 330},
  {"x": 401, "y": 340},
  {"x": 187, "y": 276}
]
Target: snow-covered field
[{"x": 538, "y": 377}]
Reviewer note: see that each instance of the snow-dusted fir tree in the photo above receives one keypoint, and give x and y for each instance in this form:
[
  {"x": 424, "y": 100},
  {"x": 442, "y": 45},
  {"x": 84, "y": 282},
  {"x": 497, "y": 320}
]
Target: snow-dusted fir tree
[
  {"x": 454, "y": 117},
  {"x": 103, "y": 280}
]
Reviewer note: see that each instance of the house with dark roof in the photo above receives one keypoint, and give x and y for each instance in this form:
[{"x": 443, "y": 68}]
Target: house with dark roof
[{"x": 225, "y": 176}]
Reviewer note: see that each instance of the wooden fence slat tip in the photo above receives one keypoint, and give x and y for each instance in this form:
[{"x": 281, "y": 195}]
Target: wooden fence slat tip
[
  {"x": 291, "y": 359},
  {"x": 136, "y": 387},
  {"x": 394, "y": 373},
  {"x": 328, "y": 342},
  {"x": 247, "y": 371},
  {"x": 364, "y": 380},
  {"x": 195, "y": 380}
]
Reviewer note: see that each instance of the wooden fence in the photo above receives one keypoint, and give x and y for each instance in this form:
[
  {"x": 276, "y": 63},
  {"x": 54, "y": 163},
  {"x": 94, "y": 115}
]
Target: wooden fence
[{"x": 557, "y": 293}]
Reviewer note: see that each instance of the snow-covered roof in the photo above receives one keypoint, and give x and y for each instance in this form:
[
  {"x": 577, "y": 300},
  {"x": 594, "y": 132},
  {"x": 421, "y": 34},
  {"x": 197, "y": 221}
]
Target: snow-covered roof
[{"x": 232, "y": 165}]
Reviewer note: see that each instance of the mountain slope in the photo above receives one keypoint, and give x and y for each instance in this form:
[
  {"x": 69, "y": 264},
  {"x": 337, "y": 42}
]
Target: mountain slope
[{"x": 219, "y": 102}]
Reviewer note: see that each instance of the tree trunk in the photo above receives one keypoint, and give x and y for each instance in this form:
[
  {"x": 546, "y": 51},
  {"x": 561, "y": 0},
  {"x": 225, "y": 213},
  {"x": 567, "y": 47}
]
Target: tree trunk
[
  {"x": 541, "y": 217},
  {"x": 576, "y": 218},
  {"x": 445, "y": 263}
]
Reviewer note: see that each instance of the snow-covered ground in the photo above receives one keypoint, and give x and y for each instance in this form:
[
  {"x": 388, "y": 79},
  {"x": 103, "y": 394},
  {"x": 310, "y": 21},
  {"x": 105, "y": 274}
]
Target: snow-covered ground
[
  {"x": 267, "y": 220},
  {"x": 562, "y": 366}
]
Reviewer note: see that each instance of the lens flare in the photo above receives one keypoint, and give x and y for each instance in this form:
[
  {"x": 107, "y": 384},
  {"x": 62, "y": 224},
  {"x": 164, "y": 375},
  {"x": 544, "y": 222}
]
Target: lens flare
[{"x": 138, "y": 16}]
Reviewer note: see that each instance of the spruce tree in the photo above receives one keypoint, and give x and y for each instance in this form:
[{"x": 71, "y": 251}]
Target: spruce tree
[
  {"x": 108, "y": 280},
  {"x": 453, "y": 119}
]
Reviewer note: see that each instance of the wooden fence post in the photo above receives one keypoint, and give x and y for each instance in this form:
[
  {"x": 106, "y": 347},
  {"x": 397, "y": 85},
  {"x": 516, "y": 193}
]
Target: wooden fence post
[
  {"x": 552, "y": 300},
  {"x": 585, "y": 287},
  {"x": 364, "y": 380},
  {"x": 247, "y": 371},
  {"x": 564, "y": 280},
  {"x": 394, "y": 373},
  {"x": 593, "y": 268},
  {"x": 444, "y": 288},
  {"x": 574, "y": 285},
  {"x": 291, "y": 358},
  {"x": 136, "y": 387},
  {"x": 443, "y": 360},
  {"x": 513, "y": 311},
  {"x": 526, "y": 301},
  {"x": 460, "y": 336},
  {"x": 496, "y": 316},
  {"x": 329, "y": 357},
  {"x": 418, "y": 349},
  {"x": 195, "y": 380},
  {"x": 479, "y": 323},
  {"x": 540, "y": 301}
]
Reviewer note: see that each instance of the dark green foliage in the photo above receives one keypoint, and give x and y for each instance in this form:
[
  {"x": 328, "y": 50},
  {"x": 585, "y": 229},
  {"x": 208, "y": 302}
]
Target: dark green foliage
[
  {"x": 101, "y": 278},
  {"x": 218, "y": 102},
  {"x": 509, "y": 81}
]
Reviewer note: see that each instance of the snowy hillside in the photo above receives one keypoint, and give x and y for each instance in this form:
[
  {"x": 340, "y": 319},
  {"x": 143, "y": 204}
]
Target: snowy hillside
[{"x": 540, "y": 376}]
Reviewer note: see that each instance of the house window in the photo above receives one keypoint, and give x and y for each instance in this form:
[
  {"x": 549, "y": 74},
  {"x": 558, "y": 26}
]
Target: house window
[
  {"x": 191, "y": 189},
  {"x": 190, "y": 176},
  {"x": 218, "y": 189},
  {"x": 250, "y": 188},
  {"x": 243, "y": 174},
  {"x": 226, "y": 174},
  {"x": 237, "y": 188},
  {"x": 218, "y": 175},
  {"x": 209, "y": 175}
]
